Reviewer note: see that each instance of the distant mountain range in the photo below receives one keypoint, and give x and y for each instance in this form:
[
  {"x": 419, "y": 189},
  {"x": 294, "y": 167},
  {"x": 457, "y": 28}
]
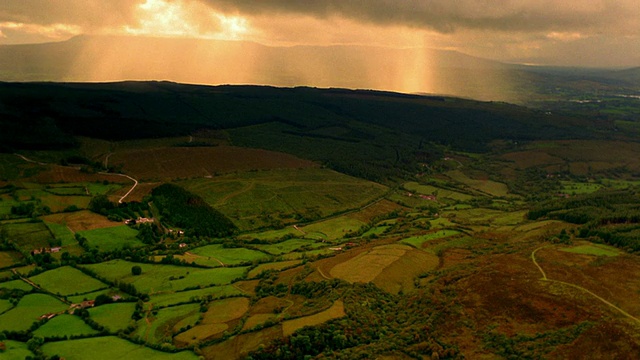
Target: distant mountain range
[{"x": 112, "y": 58}]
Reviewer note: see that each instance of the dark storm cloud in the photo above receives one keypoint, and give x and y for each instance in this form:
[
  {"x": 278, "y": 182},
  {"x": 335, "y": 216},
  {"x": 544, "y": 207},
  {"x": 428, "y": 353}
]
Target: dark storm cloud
[{"x": 449, "y": 15}]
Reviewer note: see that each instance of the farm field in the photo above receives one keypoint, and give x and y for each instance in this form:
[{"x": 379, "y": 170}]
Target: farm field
[
  {"x": 163, "y": 324},
  {"x": 159, "y": 278},
  {"x": 16, "y": 350},
  {"x": 112, "y": 238},
  {"x": 109, "y": 348},
  {"x": 81, "y": 221},
  {"x": 227, "y": 256},
  {"x": 67, "y": 281},
  {"x": 334, "y": 312},
  {"x": 28, "y": 236},
  {"x": 477, "y": 234},
  {"x": 29, "y": 310},
  {"x": 172, "y": 298},
  {"x": 419, "y": 241},
  {"x": 114, "y": 317},
  {"x": 169, "y": 163},
  {"x": 265, "y": 197},
  {"x": 64, "y": 325}
]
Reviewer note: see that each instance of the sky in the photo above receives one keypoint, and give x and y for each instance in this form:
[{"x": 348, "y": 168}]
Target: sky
[{"x": 558, "y": 32}]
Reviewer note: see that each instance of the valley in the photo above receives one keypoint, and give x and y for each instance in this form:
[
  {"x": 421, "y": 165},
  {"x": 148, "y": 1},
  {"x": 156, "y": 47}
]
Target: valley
[{"x": 317, "y": 229}]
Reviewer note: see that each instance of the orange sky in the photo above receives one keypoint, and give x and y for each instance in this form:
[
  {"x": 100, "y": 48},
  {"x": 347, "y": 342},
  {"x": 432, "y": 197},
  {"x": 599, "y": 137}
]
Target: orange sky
[{"x": 568, "y": 32}]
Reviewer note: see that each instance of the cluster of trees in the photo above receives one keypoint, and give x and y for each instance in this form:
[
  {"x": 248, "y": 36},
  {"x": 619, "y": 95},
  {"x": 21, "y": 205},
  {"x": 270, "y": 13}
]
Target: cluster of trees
[
  {"x": 100, "y": 204},
  {"x": 610, "y": 216},
  {"x": 183, "y": 209}
]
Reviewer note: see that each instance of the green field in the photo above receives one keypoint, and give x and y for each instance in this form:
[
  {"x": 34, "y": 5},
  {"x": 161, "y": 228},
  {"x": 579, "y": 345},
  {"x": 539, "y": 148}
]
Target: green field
[
  {"x": 28, "y": 235},
  {"x": 160, "y": 328},
  {"x": 593, "y": 249},
  {"x": 255, "y": 199},
  {"x": 272, "y": 266},
  {"x": 159, "y": 278},
  {"x": 29, "y": 309},
  {"x": 287, "y": 246},
  {"x": 109, "y": 348},
  {"x": 62, "y": 233},
  {"x": 92, "y": 295},
  {"x": 10, "y": 258},
  {"x": 115, "y": 317},
  {"x": 67, "y": 281},
  {"x": 16, "y": 284},
  {"x": 172, "y": 298},
  {"x": 228, "y": 256},
  {"x": 418, "y": 241},
  {"x": 575, "y": 188},
  {"x": 112, "y": 238},
  {"x": 437, "y": 191},
  {"x": 64, "y": 325},
  {"x": 15, "y": 350},
  {"x": 5, "y": 305},
  {"x": 335, "y": 228}
]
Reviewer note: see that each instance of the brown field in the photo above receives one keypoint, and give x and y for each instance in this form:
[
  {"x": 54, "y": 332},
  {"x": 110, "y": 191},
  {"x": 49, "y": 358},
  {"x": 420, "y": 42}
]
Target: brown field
[
  {"x": 238, "y": 346},
  {"x": 613, "y": 278},
  {"x": 268, "y": 308},
  {"x": 504, "y": 294},
  {"x": 81, "y": 220},
  {"x": 140, "y": 191},
  {"x": 334, "y": 312},
  {"x": 580, "y": 157},
  {"x": 381, "y": 207},
  {"x": 368, "y": 265},
  {"x": 399, "y": 276},
  {"x": 181, "y": 163},
  {"x": 9, "y": 258},
  {"x": 219, "y": 317},
  {"x": 531, "y": 158},
  {"x": 64, "y": 174}
]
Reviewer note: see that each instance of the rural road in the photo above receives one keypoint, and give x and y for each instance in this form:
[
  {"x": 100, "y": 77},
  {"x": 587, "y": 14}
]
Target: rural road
[
  {"x": 545, "y": 278},
  {"x": 135, "y": 182}
]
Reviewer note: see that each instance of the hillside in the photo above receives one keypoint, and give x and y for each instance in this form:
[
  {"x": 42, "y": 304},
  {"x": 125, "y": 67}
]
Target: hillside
[
  {"x": 157, "y": 220},
  {"x": 386, "y": 134}
]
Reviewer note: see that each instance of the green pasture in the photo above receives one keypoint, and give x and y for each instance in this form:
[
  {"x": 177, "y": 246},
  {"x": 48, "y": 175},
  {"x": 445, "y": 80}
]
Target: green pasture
[
  {"x": 377, "y": 230},
  {"x": 576, "y": 188},
  {"x": 229, "y": 256},
  {"x": 55, "y": 202},
  {"x": 437, "y": 191},
  {"x": 335, "y": 228},
  {"x": 5, "y": 305},
  {"x": 301, "y": 255},
  {"x": 213, "y": 292},
  {"x": 62, "y": 233},
  {"x": 6, "y": 202},
  {"x": 262, "y": 198},
  {"x": 28, "y": 235},
  {"x": 64, "y": 325},
  {"x": 161, "y": 326},
  {"x": 83, "y": 188},
  {"x": 92, "y": 295},
  {"x": 593, "y": 249},
  {"x": 463, "y": 242},
  {"x": 112, "y": 238},
  {"x": 15, "y": 350},
  {"x": 115, "y": 317},
  {"x": 67, "y": 281},
  {"x": 489, "y": 187},
  {"x": 418, "y": 241},
  {"x": 272, "y": 266},
  {"x": 28, "y": 311},
  {"x": 271, "y": 234},
  {"x": 9, "y": 258},
  {"x": 16, "y": 284},
  {"x": 286, "y": 246},
  {"x": 159, "y": 277},
  {"x": 109, "y": 348}
]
